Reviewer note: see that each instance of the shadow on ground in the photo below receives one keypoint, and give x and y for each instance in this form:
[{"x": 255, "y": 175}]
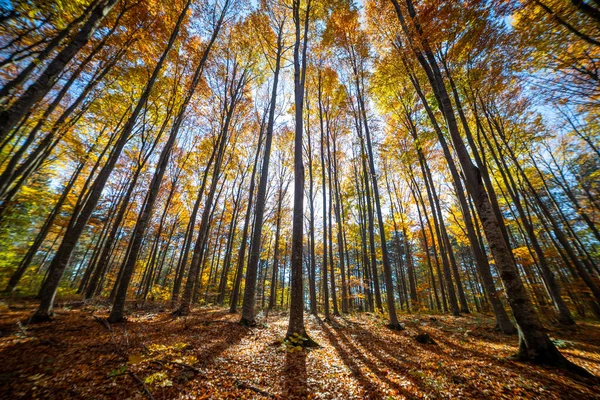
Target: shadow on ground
[{"x": 209, "y": 355}]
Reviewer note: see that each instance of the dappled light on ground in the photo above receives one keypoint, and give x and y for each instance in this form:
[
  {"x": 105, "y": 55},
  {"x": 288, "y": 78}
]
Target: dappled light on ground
[{"x": 209, "y": 355}]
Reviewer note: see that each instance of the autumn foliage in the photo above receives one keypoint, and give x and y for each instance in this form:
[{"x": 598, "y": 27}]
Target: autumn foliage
[{"x": 378, "y": 192}]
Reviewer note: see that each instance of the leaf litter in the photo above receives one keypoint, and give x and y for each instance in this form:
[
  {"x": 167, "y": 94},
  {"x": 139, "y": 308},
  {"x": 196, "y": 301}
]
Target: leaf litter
[{"x": 207, "y": 355}]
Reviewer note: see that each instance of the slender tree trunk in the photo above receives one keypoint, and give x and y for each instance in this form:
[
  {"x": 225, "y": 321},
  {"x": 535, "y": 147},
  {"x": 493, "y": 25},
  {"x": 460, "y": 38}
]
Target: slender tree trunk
[
  {"x": 38, "y": 89},
  {"x": 248, "y": 312},
  {"x": 371, "y": 229},
  {"x": 230, "y": 240},
  {"x": 41, "y": 236},
  {"x": 312, "y": 285},
  {"x": 274, "y": 275},
  {"x": 324, "y": 266},
  {"x": 296, "y": 321},
  {"x": 340, "y": 227},
  {"x": 63, "y": 254},
  {"x": 234, "y": 90},
  {"x": 535, "y": 344},
  {"x": 387, "y": 270},
  {"x": 330, "y": 222},
  {"x": 363, "y": 241}
]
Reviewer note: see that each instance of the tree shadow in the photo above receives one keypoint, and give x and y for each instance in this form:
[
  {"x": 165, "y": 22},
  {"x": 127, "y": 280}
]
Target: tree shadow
[
  {"x": 77, "y": 345},
  {"x": 295, "y": 384},
  {"x": 540, "y": 372},
  {"x": 448, "y": 361},
  {"x": 400, "y": 360},
  {"x": 349, "y": 359}
]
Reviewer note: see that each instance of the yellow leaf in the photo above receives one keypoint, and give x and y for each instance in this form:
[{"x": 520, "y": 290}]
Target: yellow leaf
[{"x": 135, "y": 359}]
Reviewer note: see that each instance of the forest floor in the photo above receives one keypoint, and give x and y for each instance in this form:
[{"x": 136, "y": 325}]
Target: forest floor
[{"x": 209, "y": 356}]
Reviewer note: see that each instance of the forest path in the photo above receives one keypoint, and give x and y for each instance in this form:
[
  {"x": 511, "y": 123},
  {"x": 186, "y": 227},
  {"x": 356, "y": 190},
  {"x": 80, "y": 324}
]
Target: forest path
[{"x": 208, "y": 355}]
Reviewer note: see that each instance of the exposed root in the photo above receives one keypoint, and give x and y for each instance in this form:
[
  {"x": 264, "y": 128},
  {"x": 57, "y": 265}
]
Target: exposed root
[
  {"x": 39, "y": 318},
  {"x": 243, "y": 385},
  {"x": 141, "y": 382},
  {"x": 248, "y": 323},
  {"x": 397, "y": 327},
  {"x": 103, "y": 322}
]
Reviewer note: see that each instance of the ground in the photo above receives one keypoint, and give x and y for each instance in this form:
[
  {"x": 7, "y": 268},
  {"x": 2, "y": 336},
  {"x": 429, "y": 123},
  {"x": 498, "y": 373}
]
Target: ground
[{"x": 209, "y": 356}]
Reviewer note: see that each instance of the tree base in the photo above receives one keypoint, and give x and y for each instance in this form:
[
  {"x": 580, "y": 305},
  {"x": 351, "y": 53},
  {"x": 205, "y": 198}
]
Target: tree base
[
  {"x": 248, "y": 322},
  {"x": 554, "y": 360},
  {"x": 302, "y": 341},
  {"x": 39, "y": 318},
  {"x": 116, "y": 320},
  {"x": 181, "y": 312},
  {"x": 396, "y": 327},
  {"x": 508, "y": 330}
]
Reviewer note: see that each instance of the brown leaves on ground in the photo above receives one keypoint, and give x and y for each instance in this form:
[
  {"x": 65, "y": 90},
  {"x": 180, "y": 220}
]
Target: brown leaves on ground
[{"x": 209, "y": 356}]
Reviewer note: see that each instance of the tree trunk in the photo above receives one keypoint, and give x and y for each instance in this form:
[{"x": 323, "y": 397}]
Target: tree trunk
[
  {"x": 38, "y": 89},
  {"x": 41, "y": 236},
  {"x": 535, "y": 344},
  {"x": 312, "y": 284},
  {"x": 63, "y": 254},
  {"x": 296, "y": 321},
  {"x": 248, "y": 312},
  {"x": 324, "y": 267}
]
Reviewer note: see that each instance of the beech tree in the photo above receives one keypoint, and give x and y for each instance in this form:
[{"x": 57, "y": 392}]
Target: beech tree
[{"x": 161, "y": 155}]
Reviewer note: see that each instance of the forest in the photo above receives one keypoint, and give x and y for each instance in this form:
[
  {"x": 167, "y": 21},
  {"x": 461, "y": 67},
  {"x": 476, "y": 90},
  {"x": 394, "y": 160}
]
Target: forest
[{"x": 299, "y": 199}]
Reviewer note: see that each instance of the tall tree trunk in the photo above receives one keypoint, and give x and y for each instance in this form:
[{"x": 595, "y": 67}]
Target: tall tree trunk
[
  {"x": 340, "y": 227},
  {"x": 324, "y": 267},
  {"x": 387, "y": 269},
  {"x": 248, "y": 312},
  {"x": 534, "y": 343},
  {"x": 312, "y": 284},
  {"x": 163, "y": 161},
  {"x": 482, "y": 264},
  {"x": 230, "y": 240},
  {"x": 244, "y": 242},
  {"x": 10, "y": 117},
  {"x": 371, "y": 228},
  {"x": 234, "y": 91},
  {"x": 296, "y": 321},
  {"x": 330, "y": 222},
  {"x": 363, "y": 241},
  {"x": 274, "y": 275},
  {"x": 63, "y": 254}
]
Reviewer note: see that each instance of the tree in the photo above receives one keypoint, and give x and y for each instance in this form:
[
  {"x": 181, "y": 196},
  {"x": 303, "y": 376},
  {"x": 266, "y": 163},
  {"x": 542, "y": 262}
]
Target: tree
[
  {"x": 61, "y": 259},
  {"x": 535, "y": 344},
  {"x": 296, "y": 322},
  {"x": 251, "y": 271}
]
